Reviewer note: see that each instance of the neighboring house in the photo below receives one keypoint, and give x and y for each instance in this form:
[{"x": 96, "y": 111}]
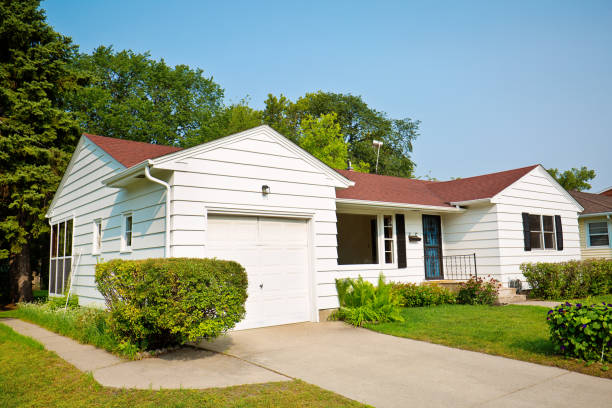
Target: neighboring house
[
  {"x": 595, "y": 224},
  {"x": 606, "y": 192},
  {"x": 294, "y": 223}
]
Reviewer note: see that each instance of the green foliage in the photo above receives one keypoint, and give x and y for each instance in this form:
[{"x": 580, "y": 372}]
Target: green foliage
[
  {"x": 158, "y": 302},
  {"x": 84, "y": 324},
  {"x": 477, "y": 291},
  {"x": 361, "y": 301},
  {"x": 574, "y": 179},
  {"x": 132, "y": 96},
  {"x": 412, "y": 295},
  {"x": 569, "y": 280},
  {"x": 582, "y": 331},
  {"x": 322, "y": 137},
  {"x": 58, "y": 302},
  {"x": 37, "y": 134},
  {"x": 359, "y": 125}
]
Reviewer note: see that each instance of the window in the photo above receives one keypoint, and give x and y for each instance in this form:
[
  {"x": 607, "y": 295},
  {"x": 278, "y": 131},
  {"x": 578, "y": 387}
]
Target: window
[
  {"x": 542, "y": 231},
  {"x": 126, "y": 238},
  {"x": 365, "y": 239},
  {"x": 598, "y": 234},
  {"x": 97, "y": 237},
  {"x": 60, "y": 262},
  {"x": 388, "y": 237}
]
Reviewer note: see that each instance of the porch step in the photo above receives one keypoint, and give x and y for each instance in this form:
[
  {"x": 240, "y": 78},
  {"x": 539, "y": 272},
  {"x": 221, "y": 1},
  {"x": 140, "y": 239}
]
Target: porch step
[{"x": 508, "y": 295}]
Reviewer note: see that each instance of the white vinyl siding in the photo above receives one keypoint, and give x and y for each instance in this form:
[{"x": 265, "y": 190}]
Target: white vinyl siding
[
  {"x": 83, "y": 196},
  {"x": 230, "y": 179},
  {"x": 534, "y": 193}
]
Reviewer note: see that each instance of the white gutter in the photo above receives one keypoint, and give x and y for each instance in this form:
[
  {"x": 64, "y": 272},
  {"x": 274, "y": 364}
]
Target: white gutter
[
  {"x": 471, "y": 202},
  {"x": 163, "y": 183},
  {"x": 367, "y": 203},
  {"x": 602, "y": 214}
]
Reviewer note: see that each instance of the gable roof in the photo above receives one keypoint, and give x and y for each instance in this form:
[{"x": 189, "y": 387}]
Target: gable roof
[
  {"x": 593, "y": 203},
  {"x": 606, "y": 192},
  {"x": 129, "y": 152},
  {"x": 373, "y": 187}
]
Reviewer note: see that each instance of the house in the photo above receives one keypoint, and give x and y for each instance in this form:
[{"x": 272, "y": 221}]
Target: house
[
  {"x": 294, "y": 223},
  {"x": 595, "y": 224},
  {"x": 606, "y": 192}
]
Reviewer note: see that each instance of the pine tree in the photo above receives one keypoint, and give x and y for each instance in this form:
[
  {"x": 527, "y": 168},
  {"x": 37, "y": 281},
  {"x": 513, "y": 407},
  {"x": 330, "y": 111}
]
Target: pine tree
[{"x": 37, "y": 135}]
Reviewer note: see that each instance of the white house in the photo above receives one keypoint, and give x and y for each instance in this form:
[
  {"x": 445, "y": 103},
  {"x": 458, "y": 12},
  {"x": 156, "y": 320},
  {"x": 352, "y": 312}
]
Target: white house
[{"x": 294, "y": 223}]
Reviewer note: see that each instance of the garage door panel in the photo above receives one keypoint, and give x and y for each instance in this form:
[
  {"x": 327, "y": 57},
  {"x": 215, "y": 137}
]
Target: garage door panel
[{"x": 274, "y": 253}]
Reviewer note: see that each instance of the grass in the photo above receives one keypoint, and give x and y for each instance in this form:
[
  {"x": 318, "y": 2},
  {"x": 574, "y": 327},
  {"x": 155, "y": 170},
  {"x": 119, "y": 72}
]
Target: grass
[
  {"x": 593, "y": 299},
  {"x": 31, "y": 376},
  {"x": 518, "y": 332},
  {"x": 85, "y": 325}
]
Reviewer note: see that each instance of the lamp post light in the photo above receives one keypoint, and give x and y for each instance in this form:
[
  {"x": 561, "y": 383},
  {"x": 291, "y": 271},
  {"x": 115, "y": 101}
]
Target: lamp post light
[{"x": 377, "y": 144}]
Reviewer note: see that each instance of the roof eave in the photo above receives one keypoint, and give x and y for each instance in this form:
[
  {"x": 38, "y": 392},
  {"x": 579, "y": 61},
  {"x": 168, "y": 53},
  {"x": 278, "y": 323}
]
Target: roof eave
[
  {"x": 471, "y": 202},
  {"x": 116, "y": 180},
  {"x": 600, "y": 214},
  {"x": 399, "y": 206}
]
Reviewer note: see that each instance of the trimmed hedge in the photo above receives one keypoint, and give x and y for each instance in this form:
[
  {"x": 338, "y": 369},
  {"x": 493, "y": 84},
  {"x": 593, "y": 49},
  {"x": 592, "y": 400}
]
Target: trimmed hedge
[
  {"x": 582, "y": 331},
  {"x": 569, "y": 280},
  {"x": 159, "y": 302},
  {"x": 413, "y": 295}
]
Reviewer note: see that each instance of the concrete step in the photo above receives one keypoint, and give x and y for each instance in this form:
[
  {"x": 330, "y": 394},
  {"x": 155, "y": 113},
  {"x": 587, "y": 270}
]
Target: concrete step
[{"x": 504, "y": 300}]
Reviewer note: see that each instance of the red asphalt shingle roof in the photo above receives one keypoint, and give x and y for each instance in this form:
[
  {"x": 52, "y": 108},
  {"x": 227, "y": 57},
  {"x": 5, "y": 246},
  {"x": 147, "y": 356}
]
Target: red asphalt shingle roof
[
  {"x": 374, "y": 187},
  {"x": 593, "y": 203},
  {"x": 369, "y": 187},
  {"x": 129, "y": 152}
]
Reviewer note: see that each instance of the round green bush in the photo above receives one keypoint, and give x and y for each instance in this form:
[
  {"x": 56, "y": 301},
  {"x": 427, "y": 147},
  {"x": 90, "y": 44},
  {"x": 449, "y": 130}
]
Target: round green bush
[
  {"x": 158, "y": 302},
  {"x": 582, "y": 331}
]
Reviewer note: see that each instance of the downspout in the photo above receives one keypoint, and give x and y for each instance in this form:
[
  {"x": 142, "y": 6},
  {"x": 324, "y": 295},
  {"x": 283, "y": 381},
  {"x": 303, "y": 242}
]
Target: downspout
[{"x": 163, "y": 183}]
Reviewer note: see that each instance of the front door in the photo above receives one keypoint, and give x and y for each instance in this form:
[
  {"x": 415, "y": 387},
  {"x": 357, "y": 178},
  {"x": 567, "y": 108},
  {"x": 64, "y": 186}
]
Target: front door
[{"x": 432, "y": 245}]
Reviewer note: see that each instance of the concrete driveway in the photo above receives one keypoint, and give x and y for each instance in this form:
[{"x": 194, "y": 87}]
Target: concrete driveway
[{"x": 387, "y": 371}]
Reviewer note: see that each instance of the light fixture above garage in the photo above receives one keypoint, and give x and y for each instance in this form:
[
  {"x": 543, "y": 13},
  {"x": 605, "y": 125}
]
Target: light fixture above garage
[{"x": 265, "y": 190}]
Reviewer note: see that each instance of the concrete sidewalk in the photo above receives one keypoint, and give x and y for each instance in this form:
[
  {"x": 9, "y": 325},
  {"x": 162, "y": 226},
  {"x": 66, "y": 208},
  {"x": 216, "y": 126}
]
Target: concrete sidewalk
[
  {"x": 186, "y": 368},
  {"x": 388, "y": 371}
]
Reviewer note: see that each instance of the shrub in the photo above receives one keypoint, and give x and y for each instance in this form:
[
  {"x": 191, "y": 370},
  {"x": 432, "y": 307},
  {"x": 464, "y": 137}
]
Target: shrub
[
  {"x": 361, "y": 301},
  {"x": 159, "y": 302},
  {"x": 569, "y": 280},
  {"x": 412, "y": 295},
  {"x": 477, "y": 291},
  {"x": 582, "y": 331}
]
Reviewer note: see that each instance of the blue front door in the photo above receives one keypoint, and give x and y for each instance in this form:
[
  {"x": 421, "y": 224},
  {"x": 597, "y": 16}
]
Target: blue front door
[{"x": 432, "y": 245}]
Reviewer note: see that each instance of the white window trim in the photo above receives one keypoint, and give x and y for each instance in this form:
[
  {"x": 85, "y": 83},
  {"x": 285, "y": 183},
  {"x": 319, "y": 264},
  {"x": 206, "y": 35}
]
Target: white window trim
[
  {"x": 124, "y": 247},
  {"x": 588, "y": 235},
  {"x": 96, "y": 247},
  {"x": 554, "y": 232},
  {"x": 380, "y": 240},
  {"x": 57, "y": 257}
]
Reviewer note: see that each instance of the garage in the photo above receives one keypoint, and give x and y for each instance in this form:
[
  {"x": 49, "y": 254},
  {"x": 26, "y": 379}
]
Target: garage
[{"x": 274, "y": 252}]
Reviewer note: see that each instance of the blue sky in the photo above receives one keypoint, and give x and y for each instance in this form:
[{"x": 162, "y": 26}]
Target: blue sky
[{"x": 496, "y": 84}]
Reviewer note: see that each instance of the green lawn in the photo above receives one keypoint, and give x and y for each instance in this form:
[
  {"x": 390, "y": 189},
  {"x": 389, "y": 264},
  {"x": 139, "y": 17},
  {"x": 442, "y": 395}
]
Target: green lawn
[
  {"x": 518, "y": 332},
  {"x": 31, "y": 376},
  {"x": 593, "y": 299}
]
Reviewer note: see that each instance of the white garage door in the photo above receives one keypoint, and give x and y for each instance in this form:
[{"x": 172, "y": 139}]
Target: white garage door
[{"x": 274, "y": 252}]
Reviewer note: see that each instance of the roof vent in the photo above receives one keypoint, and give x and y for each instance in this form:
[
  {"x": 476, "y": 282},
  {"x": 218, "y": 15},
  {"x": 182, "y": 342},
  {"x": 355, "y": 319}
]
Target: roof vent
[{"x": 349, "y": 166}]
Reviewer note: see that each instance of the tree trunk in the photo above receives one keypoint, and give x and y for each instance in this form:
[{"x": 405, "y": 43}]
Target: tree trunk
[{"x": 21, "y": 273}]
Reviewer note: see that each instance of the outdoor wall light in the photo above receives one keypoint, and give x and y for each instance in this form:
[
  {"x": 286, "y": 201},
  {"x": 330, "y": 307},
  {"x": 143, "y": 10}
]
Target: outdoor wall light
[{"x": 265, "y": 190}]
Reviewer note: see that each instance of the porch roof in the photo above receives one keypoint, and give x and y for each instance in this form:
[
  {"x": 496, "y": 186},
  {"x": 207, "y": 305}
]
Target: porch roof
[{"x": 373, "y": 187}]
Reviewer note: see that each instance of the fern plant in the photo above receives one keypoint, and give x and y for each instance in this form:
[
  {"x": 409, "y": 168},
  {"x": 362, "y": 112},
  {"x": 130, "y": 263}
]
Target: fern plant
[{"x": 362, "y": 302}]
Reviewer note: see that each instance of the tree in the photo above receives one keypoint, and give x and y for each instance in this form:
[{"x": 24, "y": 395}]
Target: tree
[
  {"x": 359, "y": 124},
  {"x": 574, "y": 179},
  {"x": 37, "y": 135},
  {"x": 323, "y": 138},
  {"x": 131, "y": 96},
  {"x": 229, "y": 120}
]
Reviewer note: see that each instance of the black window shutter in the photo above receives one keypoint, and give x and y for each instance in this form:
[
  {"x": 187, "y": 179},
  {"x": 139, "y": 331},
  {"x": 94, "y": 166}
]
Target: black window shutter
[
  {"x": 559, "y": 230},
  {"x": 400, "y": 230},
  {"x": 526, "y": 236}
]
